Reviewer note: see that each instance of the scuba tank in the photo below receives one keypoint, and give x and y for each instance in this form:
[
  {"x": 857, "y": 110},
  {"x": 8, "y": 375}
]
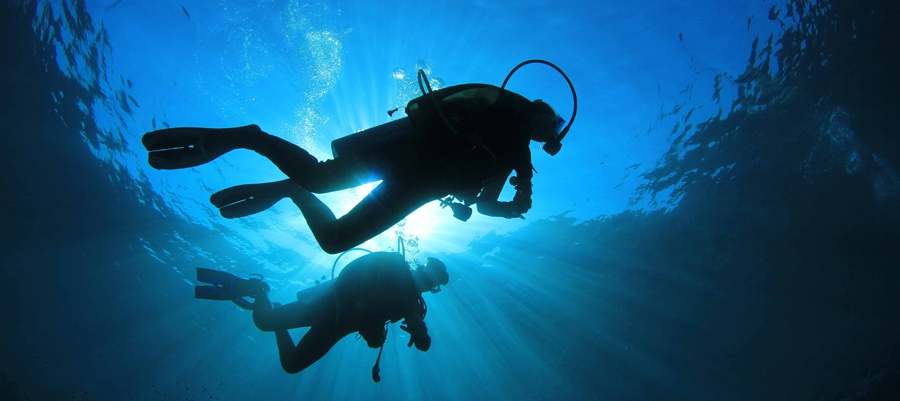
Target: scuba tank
[
  {"x": 387, "y": 133},
  {"x": 379, "y": 135}
]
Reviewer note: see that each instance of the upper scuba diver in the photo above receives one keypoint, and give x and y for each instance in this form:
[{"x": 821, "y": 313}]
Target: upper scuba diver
[
  {"x": 459, "y": 142},
  {"x": 369, "y": 292}
]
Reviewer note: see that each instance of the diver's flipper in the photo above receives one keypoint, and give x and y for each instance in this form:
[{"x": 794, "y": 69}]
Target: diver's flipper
[
  {"x": 225, "y": 286},
  {"x": 176, "y": 148},
  {"x": 221, "y": 288},
  {"x": 244, "y": 200},
  {"x": 213, "y": 292}
]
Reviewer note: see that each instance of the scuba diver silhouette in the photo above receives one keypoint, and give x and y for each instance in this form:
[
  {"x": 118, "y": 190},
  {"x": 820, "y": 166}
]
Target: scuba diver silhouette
[
  {"x": 459, "y": 143},
  {"x": 369, "y": 292}
]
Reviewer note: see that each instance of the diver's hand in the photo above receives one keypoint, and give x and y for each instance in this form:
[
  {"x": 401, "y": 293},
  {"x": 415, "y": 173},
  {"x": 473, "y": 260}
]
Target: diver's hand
[
  {"x": 418, "y": 333},
  {"x": 412, "y": 338},
  {"x": 414, "y": 327},
  {"x": 423, "y": 343},
  {"x": 521, "y": 203},
  {"x": 517, "y": 209}
]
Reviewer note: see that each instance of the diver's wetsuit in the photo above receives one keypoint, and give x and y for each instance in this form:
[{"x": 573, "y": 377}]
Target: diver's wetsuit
[
  {"x": 371, "y": 290},
  {"x": 426, "y": 162}
]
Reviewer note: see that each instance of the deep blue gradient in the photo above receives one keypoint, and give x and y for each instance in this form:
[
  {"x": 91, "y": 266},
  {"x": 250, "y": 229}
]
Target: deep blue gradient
[{"x": 721, "y": 223}]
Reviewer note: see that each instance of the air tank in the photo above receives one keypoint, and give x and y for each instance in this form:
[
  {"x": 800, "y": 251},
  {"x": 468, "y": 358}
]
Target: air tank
[{"x": 375, "y": 136}]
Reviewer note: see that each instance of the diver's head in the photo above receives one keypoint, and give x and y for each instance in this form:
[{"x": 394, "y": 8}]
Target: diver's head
[
  {"x": 545, "y": 123},
  {"x": 431, "y": 276}
]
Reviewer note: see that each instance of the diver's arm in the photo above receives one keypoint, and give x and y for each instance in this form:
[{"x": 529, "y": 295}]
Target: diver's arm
[
  {"x": 521, "y": 203},
  {"x": 488, "y": 204}
]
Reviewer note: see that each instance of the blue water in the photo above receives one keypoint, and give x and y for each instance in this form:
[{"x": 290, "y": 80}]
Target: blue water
[{"x": 721, "y": 223}]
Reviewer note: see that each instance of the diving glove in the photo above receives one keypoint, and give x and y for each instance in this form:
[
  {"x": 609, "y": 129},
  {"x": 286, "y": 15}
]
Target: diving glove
[{"x": 418, "y": 334}]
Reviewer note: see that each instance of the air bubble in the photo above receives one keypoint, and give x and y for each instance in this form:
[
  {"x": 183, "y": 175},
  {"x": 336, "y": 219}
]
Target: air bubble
[{"x": 424, "y": 65}]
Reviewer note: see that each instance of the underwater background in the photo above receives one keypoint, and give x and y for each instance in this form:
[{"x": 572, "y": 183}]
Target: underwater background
[{"x": 722, "y": 222}]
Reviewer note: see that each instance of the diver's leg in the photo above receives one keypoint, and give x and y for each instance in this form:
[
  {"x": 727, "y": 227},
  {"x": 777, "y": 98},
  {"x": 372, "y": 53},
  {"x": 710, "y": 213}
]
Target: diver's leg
[
  {"x": 177, "y": 148},
  {"x": 387, "y": 204},
  {"x": 313, "y": 304},
  {"x": 267, "y": 317},
  {"x": 313, "y": 346},
  {"x": 249, "y": 199},
  {"x": 309, "y": 172}
]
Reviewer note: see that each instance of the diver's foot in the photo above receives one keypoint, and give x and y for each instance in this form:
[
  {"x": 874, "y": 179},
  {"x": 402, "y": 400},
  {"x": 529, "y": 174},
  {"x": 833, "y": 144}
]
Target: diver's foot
[
  {"x": 245, "y": 200},
  {"x": 177, "y": 148},
  {"x": 252, "y": 287}
]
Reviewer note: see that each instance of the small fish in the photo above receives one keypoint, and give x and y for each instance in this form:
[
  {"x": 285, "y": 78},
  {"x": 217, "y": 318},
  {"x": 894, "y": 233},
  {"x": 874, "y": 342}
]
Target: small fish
[
  {"x": 749, "y": 20},
  {"x": 153, "y": 123},
  {"x": 133, "y": 101},
  {"x": 681, "y": 37},
  {"x": 165, "y": 124},
  {"x": 185, "y": 12},
  {"x": 113, "y": 5},
  {"x": 129, "y": 83}
]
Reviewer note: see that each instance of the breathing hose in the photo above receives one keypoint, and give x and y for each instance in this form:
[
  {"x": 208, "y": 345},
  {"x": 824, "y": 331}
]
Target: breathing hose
[
  {"x": 422, "y": 77},
  {"x": 565, "y": 130}
]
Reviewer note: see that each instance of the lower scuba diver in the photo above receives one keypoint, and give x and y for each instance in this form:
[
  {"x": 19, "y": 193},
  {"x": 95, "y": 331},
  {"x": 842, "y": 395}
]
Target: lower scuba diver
[
  {"x": 456, "y": 143},
  {"x": 370, "y": 291}
]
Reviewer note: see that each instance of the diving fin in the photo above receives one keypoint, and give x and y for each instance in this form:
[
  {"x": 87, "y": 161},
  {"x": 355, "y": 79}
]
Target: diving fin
[
  {"x": 227, "y": 287},
  {"x": 245, "y": 200},
  {"x": 177, "y": 148}
]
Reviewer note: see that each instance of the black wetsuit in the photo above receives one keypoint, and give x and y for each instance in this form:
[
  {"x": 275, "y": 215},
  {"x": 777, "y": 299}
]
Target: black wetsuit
[
  {"x": 425, "y": 162},
  {"x": 375, "y": 289},
  {"x": 493, "y": 134},
  {"x": 372, "y": 290}
]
